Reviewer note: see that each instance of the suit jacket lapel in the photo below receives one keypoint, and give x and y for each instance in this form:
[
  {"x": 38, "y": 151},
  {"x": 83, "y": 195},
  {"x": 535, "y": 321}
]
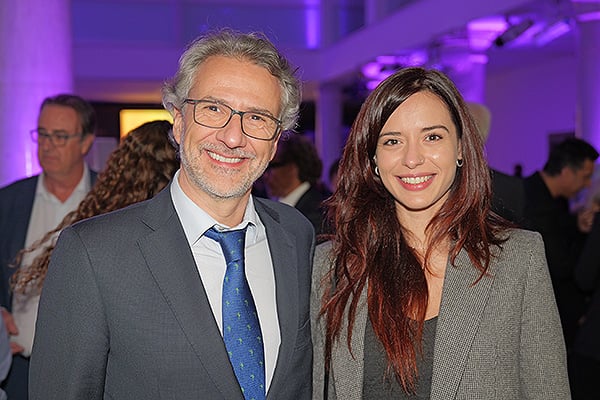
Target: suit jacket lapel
[
  {"x": 22, "y": 212},
  {"x": 172, "y": 265},
  {"x": 460, "y": 314},
  {"x": 283, "y": 254},
  {"x": 18, "y": 215}
]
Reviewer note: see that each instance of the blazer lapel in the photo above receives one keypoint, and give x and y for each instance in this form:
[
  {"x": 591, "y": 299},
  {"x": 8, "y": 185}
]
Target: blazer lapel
[
  {"x": 460, "y": 314},
  {"x": 283, "y": 254},
  {"x": 172, "y": 265}
]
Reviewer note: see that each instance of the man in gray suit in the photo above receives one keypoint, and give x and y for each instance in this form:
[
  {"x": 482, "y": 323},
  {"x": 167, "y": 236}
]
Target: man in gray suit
[{"x": 133, "y": 307}]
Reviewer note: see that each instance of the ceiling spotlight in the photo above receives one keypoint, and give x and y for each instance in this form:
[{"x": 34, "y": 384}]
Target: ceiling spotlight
[{"x": 513, "y": 32}]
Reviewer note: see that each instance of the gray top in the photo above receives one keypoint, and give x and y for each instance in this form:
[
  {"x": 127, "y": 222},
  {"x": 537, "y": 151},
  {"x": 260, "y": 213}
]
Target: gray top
[{"x": 379, "y": 386}]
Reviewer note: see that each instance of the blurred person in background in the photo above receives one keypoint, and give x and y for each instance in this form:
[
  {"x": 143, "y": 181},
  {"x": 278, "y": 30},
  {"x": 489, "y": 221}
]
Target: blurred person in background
[
  {"x": 139, "y": 168},
  {"x": 508, "y": 192},
  {"x": 548, "y": 193},
  {"x": 586, "y": 346},
  {"x": 294, "y": 178},
  {"x": 31, "y": 207}
]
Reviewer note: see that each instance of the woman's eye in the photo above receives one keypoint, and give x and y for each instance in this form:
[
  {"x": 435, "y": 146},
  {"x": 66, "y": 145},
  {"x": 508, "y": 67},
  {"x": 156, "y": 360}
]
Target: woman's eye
[
  {"x": 391, "y": 142},
  {"x": 433, "y": 137}
]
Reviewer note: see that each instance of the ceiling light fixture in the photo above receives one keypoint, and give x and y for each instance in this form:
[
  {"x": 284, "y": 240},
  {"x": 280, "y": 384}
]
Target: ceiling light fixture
[
  {"x": 513, "y": 32},
  {"x": 552, "y": 32}
]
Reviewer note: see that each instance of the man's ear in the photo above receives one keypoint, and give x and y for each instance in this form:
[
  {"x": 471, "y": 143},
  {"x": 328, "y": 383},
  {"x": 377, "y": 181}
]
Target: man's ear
[
  {"x": 86, "y": 143},
  {"x": 178, "y": 125},
  {"x": 274, "y": 149}
]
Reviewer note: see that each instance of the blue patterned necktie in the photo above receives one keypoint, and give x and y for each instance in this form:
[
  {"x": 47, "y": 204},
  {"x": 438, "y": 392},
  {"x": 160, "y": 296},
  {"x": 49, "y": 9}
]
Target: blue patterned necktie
[{"x": 241, "y": 329}]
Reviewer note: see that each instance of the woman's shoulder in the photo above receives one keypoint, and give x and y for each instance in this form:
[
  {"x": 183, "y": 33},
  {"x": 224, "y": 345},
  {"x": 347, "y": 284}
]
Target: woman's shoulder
[
  {"x": 324, "y": 248},
  {"x": 522, "y": 239},
  {"x": 324, "y": 253},
  {"x": 521, "y": 248}
]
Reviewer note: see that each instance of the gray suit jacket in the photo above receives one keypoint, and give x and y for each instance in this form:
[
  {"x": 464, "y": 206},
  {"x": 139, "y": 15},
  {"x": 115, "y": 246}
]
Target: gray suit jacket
[
  {"x": 498, "y": 339},
  {"x": 124, "y": 314}
]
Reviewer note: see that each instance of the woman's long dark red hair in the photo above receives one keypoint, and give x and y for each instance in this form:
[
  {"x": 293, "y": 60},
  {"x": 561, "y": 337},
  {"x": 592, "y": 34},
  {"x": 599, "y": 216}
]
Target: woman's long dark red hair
[{"x": 368, "y": 240}]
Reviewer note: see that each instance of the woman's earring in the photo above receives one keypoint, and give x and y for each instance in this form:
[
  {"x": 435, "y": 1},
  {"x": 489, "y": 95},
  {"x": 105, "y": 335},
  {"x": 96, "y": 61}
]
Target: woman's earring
[
  {"x": 375, "y": 162},
  {"x": 460, "y": 162}
]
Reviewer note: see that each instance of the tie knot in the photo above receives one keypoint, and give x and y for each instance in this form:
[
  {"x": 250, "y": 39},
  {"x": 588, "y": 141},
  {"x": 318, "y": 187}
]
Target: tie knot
[{"x": 232, "y": 242}]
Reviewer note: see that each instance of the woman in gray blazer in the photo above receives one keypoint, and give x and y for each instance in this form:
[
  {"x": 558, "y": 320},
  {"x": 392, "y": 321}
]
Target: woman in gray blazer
[{"x": 422, "y": 291}]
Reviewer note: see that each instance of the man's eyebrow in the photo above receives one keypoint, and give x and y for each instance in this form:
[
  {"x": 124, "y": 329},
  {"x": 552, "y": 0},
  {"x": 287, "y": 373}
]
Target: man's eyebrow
[
  {"x": 258, "y": 110},
  {"x": 41, "y": 128}
]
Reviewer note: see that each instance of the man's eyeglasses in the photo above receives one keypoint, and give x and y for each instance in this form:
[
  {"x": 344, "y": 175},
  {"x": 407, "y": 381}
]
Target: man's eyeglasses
[
  {"x": 58, "y": 138},
  {"x": 255, "y": 124}
]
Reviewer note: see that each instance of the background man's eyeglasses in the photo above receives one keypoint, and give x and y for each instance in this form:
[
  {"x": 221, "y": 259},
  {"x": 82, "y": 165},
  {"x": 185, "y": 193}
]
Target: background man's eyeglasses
[
  {"x": 58, "y": 138},
  {"x": 213, "y": 114}
]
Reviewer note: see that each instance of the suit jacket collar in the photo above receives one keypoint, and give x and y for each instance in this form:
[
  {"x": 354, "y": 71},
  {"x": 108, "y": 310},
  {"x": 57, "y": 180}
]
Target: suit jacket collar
[
  {"x": 461, "y": 312},
  {"x": 170, "y": 260}
]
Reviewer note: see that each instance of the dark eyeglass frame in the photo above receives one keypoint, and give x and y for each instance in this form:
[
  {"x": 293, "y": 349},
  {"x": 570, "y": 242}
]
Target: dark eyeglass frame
[
  {"x": 232, "y": 112},
  {"x": 57, "y": 138}
]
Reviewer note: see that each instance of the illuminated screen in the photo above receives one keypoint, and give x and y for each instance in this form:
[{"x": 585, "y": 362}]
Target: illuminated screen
[{"x": 132, "y": 118}]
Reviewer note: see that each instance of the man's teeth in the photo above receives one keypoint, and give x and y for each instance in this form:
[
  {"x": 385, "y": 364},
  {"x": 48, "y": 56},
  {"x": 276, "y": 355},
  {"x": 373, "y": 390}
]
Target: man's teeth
[
  {"x": 224, "y": 159},
  {"x": 416, "y": 180}
]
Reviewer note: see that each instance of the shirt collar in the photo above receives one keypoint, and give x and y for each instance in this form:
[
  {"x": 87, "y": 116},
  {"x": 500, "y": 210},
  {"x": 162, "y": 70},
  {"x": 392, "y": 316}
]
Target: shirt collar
[
  {"x": 294, "y": 196},
  {"x": 196, "y": 221}
]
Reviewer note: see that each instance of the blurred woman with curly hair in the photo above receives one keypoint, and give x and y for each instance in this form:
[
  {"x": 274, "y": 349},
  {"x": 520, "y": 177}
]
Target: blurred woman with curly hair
[{"x": 139, "y": 168}]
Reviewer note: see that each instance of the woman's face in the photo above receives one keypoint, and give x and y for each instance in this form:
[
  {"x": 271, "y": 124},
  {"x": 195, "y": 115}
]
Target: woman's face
[{"x": 416, "y": 155}]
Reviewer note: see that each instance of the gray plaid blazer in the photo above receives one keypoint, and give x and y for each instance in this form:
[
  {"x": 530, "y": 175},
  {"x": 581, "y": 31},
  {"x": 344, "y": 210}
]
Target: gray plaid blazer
[{"x": 498, "y": 339}]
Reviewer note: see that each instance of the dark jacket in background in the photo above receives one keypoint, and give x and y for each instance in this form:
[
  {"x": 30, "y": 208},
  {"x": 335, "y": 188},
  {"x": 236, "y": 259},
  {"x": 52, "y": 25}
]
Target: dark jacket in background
[{"x": 562, "y": 241}]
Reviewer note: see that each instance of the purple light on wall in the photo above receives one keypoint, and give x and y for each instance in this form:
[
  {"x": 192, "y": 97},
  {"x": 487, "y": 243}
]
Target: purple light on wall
[
  {"x": 588, "y": 78},
  {"x": 44, "y": 70},
  {"x": 312, "y": 20}
]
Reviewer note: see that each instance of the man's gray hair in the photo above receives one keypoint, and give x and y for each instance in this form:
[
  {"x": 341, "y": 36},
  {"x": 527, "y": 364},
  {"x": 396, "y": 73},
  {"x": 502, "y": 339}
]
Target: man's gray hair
[{"x": 252, "y": 47}]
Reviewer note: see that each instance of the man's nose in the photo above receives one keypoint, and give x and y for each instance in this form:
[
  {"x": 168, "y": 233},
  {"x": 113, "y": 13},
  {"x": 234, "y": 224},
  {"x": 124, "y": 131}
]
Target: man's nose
[{"x": 232, "y": 134}]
